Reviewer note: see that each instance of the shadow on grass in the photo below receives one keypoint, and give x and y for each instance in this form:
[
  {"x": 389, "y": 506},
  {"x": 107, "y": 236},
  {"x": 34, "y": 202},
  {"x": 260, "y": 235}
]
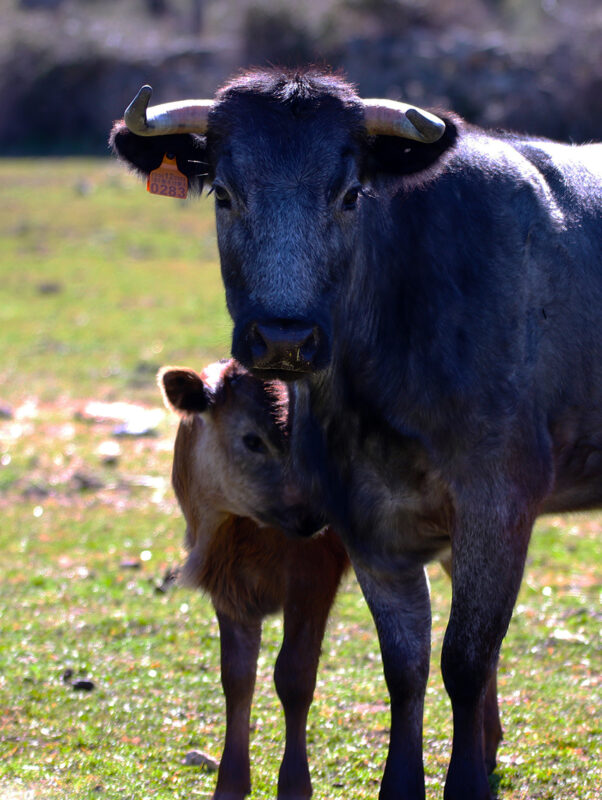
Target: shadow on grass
[{"x": 494, "y": 785}]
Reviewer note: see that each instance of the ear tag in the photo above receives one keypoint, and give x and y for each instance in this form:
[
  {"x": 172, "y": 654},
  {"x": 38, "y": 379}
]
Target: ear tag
[{"x": 167, "y": 180}]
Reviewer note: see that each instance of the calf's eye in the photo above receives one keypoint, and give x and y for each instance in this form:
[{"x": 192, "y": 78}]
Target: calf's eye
[{"x": 254, "y": 443}]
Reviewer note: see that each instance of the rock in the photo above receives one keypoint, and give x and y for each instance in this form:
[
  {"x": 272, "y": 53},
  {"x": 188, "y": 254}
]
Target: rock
[
  {"x": 35, "y": 491},
  {"x": 109, "y": 453},
  {"x": 49, "y": 287},
  {"x": 130, "y": 563},
  {"x": 133, "y": 420},
  {"x": 84, "y": 482},
  {"x": 142, "y": 426},
  {"x": 195, "y": 758},
  {"x": 83, "y": 685}
]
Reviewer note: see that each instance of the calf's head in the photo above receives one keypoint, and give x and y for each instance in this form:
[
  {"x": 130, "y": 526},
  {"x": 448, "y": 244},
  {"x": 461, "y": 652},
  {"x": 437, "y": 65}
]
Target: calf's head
[
  {"x": 231, "y": 451},
  {"x": 290, "y": 158}
]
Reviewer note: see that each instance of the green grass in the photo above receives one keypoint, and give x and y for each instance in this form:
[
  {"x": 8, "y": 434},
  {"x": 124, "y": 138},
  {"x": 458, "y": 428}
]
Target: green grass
[
  {"x": 100, "y": 284},
  {"x": 101, "y": 278}
]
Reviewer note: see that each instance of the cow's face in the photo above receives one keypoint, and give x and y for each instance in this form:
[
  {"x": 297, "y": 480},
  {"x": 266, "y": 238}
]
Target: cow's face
[
  {"x": 287, "y": 192},
  {"x": 288, "y": 157}
]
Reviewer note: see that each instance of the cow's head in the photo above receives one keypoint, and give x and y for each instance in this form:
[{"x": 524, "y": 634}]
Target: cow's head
[{"x": 291, "y": 158}]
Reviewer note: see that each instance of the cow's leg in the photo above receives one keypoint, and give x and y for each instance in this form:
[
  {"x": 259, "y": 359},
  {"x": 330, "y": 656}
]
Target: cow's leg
[
  {"x": 306, "y": 610},
  {"x": 400, "y": 606},
  {"x": 239, "y": 643},
  {"x": 492, "y": 728},
  {"x": 488, "y": 562}
]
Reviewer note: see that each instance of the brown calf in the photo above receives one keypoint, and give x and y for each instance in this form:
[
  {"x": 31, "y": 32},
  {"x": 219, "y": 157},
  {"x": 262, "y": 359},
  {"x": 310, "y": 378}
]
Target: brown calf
[{"x": 228, "y": 471}]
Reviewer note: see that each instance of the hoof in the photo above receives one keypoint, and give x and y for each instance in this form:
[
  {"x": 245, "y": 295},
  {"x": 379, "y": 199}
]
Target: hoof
[{"x": 294, "y": 796}]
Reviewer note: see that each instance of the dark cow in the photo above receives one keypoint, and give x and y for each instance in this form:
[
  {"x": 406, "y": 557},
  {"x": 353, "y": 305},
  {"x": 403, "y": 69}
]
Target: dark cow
[
  {"x": 436, "y": 292},
  {"x": 229, "y": 469}
]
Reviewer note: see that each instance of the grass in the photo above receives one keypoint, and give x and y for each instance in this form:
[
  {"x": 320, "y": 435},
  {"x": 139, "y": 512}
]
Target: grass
[
  {"x": 88, "y": 258},
  {"x": 100, "y": 284}
]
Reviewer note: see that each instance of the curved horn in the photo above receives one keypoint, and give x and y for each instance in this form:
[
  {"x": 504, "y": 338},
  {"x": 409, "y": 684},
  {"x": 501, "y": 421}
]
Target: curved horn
[
  {"x": 183, "y": 116},
  {"x": 392, "y": 118}
]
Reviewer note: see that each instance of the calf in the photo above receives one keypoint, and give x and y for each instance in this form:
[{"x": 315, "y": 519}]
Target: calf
[{"x": 228, "y": 472}]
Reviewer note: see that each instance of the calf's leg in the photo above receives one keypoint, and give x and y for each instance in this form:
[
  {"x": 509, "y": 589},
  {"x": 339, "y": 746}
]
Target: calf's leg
[
  {"x": 307, "y": 605},
  {"x": 400, "y": 606},
  {"x": 239, "y": 642},
  {"x": 488, "y": 561}
]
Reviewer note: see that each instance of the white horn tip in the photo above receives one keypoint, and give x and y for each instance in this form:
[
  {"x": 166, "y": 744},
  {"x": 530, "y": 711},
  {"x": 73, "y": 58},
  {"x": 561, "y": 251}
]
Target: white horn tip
[
  {"x": 135, "y": 113},
  {"x": 429, "y": 126}
]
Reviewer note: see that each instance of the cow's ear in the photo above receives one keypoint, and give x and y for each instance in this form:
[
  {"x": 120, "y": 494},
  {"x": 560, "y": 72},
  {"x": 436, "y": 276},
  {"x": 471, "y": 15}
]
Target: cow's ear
[
  {"x": 183, "y": 390},
  {"x": 145, "y": 153},
  {"x": 394, "y": 156}
]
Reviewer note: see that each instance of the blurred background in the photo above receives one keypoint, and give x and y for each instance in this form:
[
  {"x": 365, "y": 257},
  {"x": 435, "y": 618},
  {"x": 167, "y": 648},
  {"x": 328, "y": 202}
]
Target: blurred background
[
  {"x": 108, "y": 679},
  {"x": 69, "y": 67}
]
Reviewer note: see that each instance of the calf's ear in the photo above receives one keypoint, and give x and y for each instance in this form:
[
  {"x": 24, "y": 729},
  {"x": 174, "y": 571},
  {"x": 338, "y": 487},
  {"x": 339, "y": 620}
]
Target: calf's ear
[
  {"x": 396, "y": 156},
  {"x": 145, "y": 153},
  {"x": 183, "y": 390}
]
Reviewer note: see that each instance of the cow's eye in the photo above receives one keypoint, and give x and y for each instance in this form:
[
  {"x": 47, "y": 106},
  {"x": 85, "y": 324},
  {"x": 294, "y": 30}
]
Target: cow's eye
[
  {"x": 222, "y": 197},
  {"x": 350, "y": 198},
  {"x": 254, "y": 443}
]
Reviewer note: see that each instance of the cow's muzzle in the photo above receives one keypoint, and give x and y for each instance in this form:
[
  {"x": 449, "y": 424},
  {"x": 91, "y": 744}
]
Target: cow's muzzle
[{"x": 285, "y": 348}]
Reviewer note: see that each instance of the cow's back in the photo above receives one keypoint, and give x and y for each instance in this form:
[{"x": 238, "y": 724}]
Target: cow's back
[{"x": 574, "y": 172}]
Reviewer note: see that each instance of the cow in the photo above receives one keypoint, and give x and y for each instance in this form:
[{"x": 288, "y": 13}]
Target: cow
[
  {"x": 433, "y": 292},
  {"x": 228, "y": 472}
]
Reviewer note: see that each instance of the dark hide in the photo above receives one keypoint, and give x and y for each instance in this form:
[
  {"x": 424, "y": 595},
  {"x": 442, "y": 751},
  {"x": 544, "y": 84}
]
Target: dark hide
[{"x": 453, "y": 387}]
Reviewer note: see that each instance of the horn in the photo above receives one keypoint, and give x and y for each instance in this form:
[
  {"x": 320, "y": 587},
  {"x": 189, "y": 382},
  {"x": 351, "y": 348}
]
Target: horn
[
  {"x": 183, "y": 116},
  {"x": 392, "y": 118}
]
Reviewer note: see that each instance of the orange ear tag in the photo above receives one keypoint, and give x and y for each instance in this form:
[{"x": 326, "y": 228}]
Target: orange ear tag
[{"x": 167, "y": 180}]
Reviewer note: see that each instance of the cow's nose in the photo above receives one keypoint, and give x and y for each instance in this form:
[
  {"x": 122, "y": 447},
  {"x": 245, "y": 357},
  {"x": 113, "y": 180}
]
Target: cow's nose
[{"x": 284, "y": 345}]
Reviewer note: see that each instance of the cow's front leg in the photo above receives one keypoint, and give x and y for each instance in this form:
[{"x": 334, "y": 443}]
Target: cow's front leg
[
  {"x": 400, "y": 606},
  {"x": 488, "y": 562},
  {"x": 239, "y": 642},
  {"x": 492, "y": 727}
]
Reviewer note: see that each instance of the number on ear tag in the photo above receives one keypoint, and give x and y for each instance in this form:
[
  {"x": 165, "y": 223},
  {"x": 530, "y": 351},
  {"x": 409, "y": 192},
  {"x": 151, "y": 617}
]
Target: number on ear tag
[{"x": 167, "y": 180}]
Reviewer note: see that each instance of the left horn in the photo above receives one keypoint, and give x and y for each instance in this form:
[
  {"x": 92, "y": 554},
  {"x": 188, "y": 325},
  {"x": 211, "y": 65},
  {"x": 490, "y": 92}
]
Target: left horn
[
  {"x": 393, "y": 118},
  {"x": 183, "y": 116}
]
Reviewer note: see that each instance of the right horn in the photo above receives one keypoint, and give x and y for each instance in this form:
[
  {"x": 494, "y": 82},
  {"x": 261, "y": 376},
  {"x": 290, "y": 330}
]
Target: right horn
[
  {"x": 183, "y": 116},
  {"x": 393, "y": 118}
]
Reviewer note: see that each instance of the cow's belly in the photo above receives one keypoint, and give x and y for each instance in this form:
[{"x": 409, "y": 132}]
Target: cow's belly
[
  {"x": 578, "y": 479},
  {"x": 577, "y": 453},
  {"x": 398, "y": 513}
]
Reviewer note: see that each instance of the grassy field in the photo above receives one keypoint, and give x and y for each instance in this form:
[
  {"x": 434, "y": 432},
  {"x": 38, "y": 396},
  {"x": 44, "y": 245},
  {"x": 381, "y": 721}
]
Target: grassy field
[{"x": 100, "y": 284}]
